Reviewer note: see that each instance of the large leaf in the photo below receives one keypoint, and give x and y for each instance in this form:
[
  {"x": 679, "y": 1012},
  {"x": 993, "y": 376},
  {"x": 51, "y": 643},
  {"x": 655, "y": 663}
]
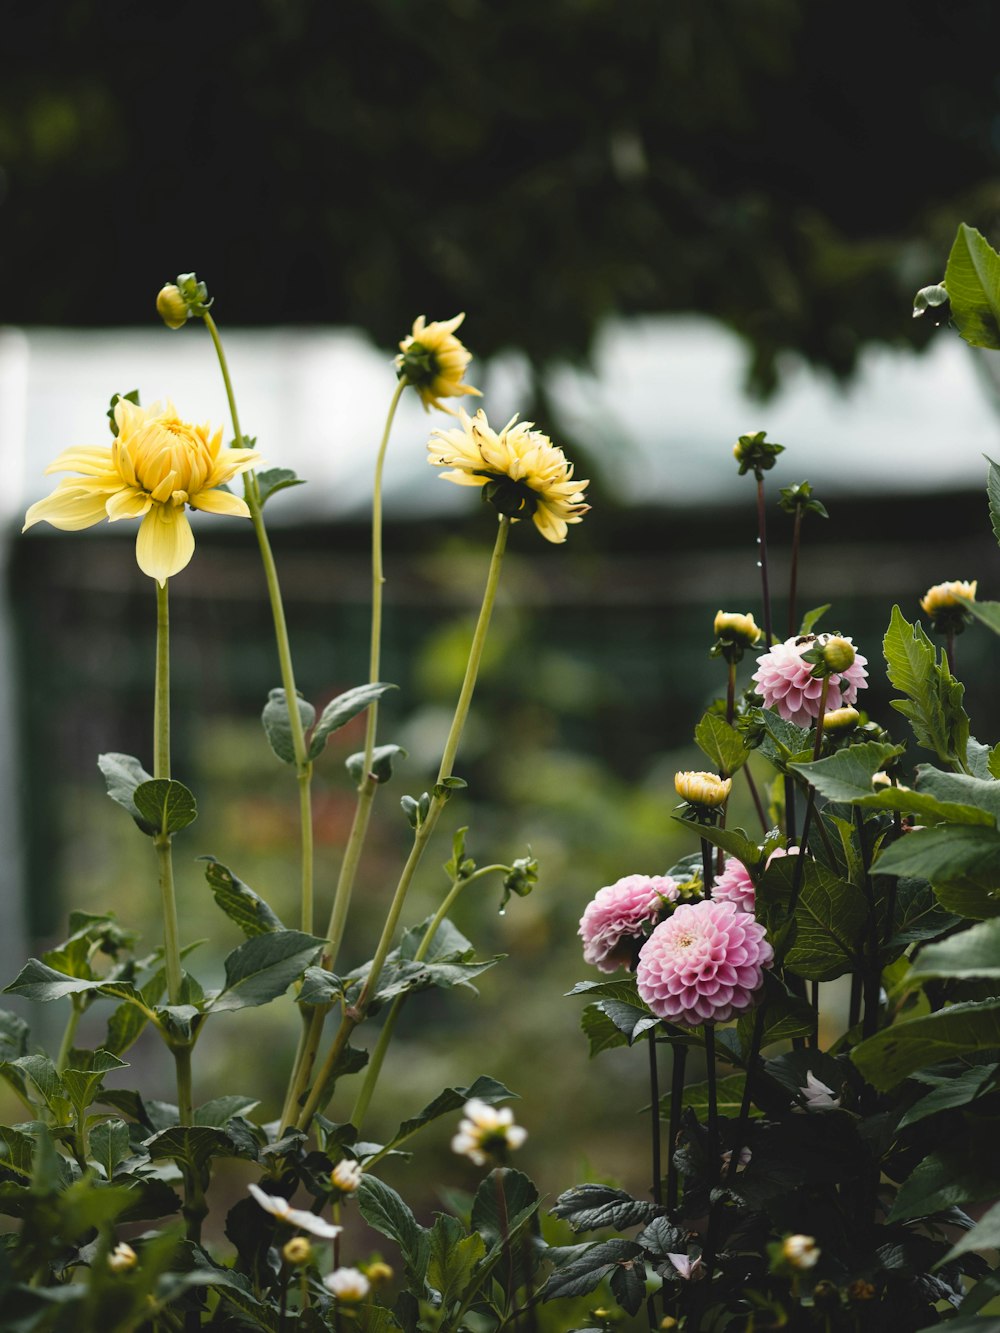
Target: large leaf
[
  {"x": 987, "y": 613},
  {"x": 958, "y": 1091},
  {"x": 722, "y": 743},
  {"x": 383, "y": 1209},
  {"x": 83, "y": 1080},
  {"x": 942, "y": 1180},
  {"x": 520, "y": 1200},
  {"x": 239, "y": 902},
  {"x": 972, "y": 953},
  {"x": 485, "y": 1089},
  {"x": 192, "y": 1145},
  {"x": 110, "y": 1145},
  {"x": 972, "y": 281},
  {"x": 167, "y": 805},
  {"x": 847, "y": 775},
  {"x": 600, "y": 1031},
  {"x": 830, "y": 918},
  {"x": 122, "y": 774},
  {"x": 963, "y": 1029},
  {"x": 263, "y": 968},
  {"x": 944, "y": 854},
  {"x": 589, "y": 1207},
  {"x": 453, "y": 1258},
  {"x": 37, "y": 981},
  {"x": 278, "y": 727},
  {"x": 13, "y": 1035},
  {"x": 341, "y": 710},
  {"x": 584, "y": 1271},
  {"x": 934, "y": 697}
]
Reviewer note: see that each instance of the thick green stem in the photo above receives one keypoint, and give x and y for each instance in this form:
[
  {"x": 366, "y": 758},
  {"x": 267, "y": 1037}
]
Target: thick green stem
[
  {"x": 66, "y": 1045},
  {"x": 303, "y": 766},
  {"x": 185, "y": 1101},
  {"x": 423, "y": 833}
]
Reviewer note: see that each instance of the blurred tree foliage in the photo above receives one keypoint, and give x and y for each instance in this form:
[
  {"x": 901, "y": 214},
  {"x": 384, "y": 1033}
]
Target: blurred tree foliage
[{"x": 788, "y": 167}]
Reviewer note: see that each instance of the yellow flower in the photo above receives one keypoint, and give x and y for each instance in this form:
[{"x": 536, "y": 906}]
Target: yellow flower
[
  {"x": 943, "y": 595},
  {"x": 523, "y": 473},
  {"x": 433, "y": 360},
  {"x": 736, "y": 625},
  {"x": 156, "y": 466},
  {"x": 706, "y": 789}
]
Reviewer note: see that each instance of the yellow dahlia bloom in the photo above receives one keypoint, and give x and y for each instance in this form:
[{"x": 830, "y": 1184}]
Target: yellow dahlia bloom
[
  {"x": 524, "y": 474},
  {"x": 155, "y": 467},
  {"x": 944, "y": 595},
  {"x": 433, "y": 360}
]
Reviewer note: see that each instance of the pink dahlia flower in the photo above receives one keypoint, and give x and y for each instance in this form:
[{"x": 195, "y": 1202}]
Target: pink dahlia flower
[
  {"x": 704, "y": 964},
  {"x": 787, "y": 686},
  {"x": 735, "y": 886},
  {"x": 618, "y": 916}
]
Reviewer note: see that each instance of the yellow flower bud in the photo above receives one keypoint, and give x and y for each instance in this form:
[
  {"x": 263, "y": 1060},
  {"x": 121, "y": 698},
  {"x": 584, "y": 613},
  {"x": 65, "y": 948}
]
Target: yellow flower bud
[
  {"x": 735, "y": 625},
  {"x": 944, "y": 595},
  {"x": 706, "y": 789},
  {"x": 122, "y": 1258},
  {"x": 378, "y": 1272},
  {"x": 838, "y": 653},
  {"x": 841, "y": 719},
  {"x": 297, "y": 1252},
  {"x": 171, "y": 306}
]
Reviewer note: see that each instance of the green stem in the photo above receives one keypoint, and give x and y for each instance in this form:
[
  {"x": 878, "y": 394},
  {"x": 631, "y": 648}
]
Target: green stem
[
  {"x": 161, "y": 770},
  {"x": 303, "y": 765},
  {"x": 375, "y": 1061},
  {"x": 66, "y": 1045},
  {"x": 422, "y": 835},
  {"x": 185, "y": 1101}
]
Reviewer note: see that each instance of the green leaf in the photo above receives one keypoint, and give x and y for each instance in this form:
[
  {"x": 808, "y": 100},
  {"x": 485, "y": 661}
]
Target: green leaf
[
  {"x": 812, "y": 618},
  {"x": 110, "y": 1145},
  {"x": 275, "y": 479},
  {"x": 785, "y": 1016},
  {"x": 918, "y": 914},
  {"x": 263, "y": 968},
  {"x": 193, "y": 1146},
  {"x": 486, "y": 1089},
  {"x": 985, "y": 1235},
  {"x": 585, "y": 1271},
  {"x": 36, "y": 981},
  {"x": 520, "y": 1198},
  {"x": 847, "y": 775},
  {"x": 383, "y": 758},
  {"x": 630, "y": 1019},
  {"x": 940, "y": 1181},
  {"x": 830, "y": 918},
  {"x": 944, "y": 854},
  {"x": 277, "y": 726},
  {"x": 993, "y": 494},
  {"x": 987, "y": 613},
  {"x": 592, "y": 1206},
  {"x": 958, "y": 1091},
  {"x": 122, "y": 774},
  {"x": 972, "y": 953},
  {"x": 722, "y": 743},
  {"x": 84, "y": 1079},
  {"x": 732, "y": 841},
  {"x": 239, "y": 902},
  {"x": 934, "y": 702},
  {"x": 17, "y": 1151},
  {"x": 44, "y": 1085},
  {"x": 729, "y": 1091},
  {"x": 341, "y": 710},
  {"x": 218, "y": 1112},
  {"x": 320, "y": 986},
  {"x": 960, "y": 790},
  {"x": 453, "y": 1257},
  {"x": 599, "y": 1030},
  {"x": 972, "y": 281},
  {"x": 896, "y": 1052},
  {"x": 783, "y": 740},
  {"x": 167, "y": 805},
  {"x": 383, "y": 1209},
  {"x": 970, "y": 898},
  {"x": 13, "y": 1035}
]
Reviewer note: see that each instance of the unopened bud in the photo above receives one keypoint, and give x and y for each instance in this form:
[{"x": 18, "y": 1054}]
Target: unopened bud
[
  {"x": 378, "y": 1272},
  {"x": 841, "y": 719},
  {"x": 122, "y": 1258},
  {"x": 736, "y": 625},
  {"x": 171, "y": 306},
  {"x": 297, "y": 1252},
  {"x": 838, "y": 654},
  {"x": 705, "y": 789}
]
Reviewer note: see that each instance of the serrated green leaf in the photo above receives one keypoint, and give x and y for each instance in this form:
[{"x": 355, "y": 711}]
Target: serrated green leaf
[
  {"x": 940, "y": 1181},
  {"x": 192, "y": 1145},
  {"x": 83, "y": 1081},
  {"x": 987, "y": 613},
  {"x": 43, "y": 1085},
  {"x": 486, "y": 1089},
  {"x": 453, "y": 1258},
  {"x": 972, "y": 281},
  {"x": 165, "y": 804},
  {"x": 722, "y": 743},
  {"x": 958, "y": 1091},
  {"x": 592, "y": 1206},
  {"x": 383, "y": 758},
  {"x": 830, "y": 918},
  {"x": 630, "y": 1019},
  {"x": 944, "y": 854},
  {"x": 520, "y": 1196},
  {"x": 896, "y": 1052},
  {"x": 263, "y": 968},
  {"x": 17, "y": 1151},
  {"x": 847, "y": 775},
  {"x": 934, "y": 697},
  {"x": 785, "y": 1016},
  {"x": 732, "y": 841},
  {"x": 586, "y": 1271},
  {"x": 110, "y": 1145},
  {"x": 275, "y": 479},
  {"x": 277, "y": 726},
  {"x": 122, "y": 774},
  {"x": 993, "y": 494},
  {"x": 599, "y": 1030},
  {"x": 918, "y": 915},
  {"x": 239, "y": 902},
  {"x": 341, "y": 710},
  {"x": 383, "y": 1209}
]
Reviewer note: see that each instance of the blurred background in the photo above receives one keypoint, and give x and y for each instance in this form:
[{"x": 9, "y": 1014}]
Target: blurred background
[{"x": 668, "y": 225}]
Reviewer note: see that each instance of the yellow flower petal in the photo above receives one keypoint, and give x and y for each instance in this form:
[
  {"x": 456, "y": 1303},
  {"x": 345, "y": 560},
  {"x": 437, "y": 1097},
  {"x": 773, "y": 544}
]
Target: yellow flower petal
[
  {"x": 220, "y": 502},
  {"x": 165, "y": 543},
  {"x": 93, "y": 460},
  {"x": 71, "y": 506},
  {"x": 128, "y": 504}
]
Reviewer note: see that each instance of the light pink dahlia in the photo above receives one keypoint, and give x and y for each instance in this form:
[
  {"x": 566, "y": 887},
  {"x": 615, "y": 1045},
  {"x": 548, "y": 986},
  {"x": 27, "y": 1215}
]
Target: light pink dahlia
[
  {"x": 784, "y": 680},
  {"x": 735, "y": 886},
  {"x": 704, "y": 964},
  {"x": 619, "y": 914}
]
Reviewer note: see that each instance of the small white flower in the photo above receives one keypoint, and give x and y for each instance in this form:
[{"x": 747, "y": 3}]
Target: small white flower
[
  {"x": 817, "y": 1096},
  {"x": 486, "y": 1133},
  {"x": 800, "y": 1251},
  {"x": 347, "y": 1284},
  {"x": 122, "y": 1258},
  {"x": 346, "y": 1175},
  {"x": 294, "y": 1217},
  {"x": 690, "y": 1269}
]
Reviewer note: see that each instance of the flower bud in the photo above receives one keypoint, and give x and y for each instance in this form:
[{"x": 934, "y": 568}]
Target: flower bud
[
  {"x": 738, "y": 627},
  {"x": 754, "y": 453},
  {"x": 378, "y": 1272},
  {"x": 346, "y": 1176},
  {"x": 705, "y": 789},
  {"x": 171, "y": 306},
  {"x": 122, "y": 1258},
  {"x": 297, "y": 1252},
  {"x": 837, "y": 653},
  {"x": 800, "y": 1252},
  {"x": 841, "y": 719}
]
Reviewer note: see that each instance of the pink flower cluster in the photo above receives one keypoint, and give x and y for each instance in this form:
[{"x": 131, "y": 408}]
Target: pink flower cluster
[
  {"x": 735, "y": 886},
  {"x": 619, "y": 915},
  {"x": 788, "y": 687},
  {"x": 704, "y": 964}
]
